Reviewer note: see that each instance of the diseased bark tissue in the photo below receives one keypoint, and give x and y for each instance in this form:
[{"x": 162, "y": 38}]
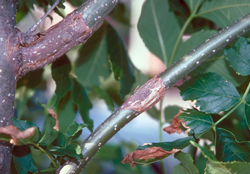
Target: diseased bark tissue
[
  {"x": 43, "y": 48},
  {"x": 146, "y": 96}
]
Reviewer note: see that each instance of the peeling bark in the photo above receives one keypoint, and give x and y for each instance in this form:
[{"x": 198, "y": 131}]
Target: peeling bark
[
  {"x": 146, "y": 96},
  {"x": 43, "y": 48}
]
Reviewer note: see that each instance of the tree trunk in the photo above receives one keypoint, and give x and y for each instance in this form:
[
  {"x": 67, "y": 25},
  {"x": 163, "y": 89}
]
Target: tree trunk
[{"x": 8, "y": 69}]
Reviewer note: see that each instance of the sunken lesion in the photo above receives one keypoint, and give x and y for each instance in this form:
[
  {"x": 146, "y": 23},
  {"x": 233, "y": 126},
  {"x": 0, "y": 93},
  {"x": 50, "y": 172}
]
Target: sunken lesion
[
  {"x": 43, "y": 48},
  {"x": 146, "y": 96}
]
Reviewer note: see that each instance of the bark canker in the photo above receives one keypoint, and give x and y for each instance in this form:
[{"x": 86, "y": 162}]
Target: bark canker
[
  {"x": 43, "y": 48},
  {"x": 146, "y": 96}
]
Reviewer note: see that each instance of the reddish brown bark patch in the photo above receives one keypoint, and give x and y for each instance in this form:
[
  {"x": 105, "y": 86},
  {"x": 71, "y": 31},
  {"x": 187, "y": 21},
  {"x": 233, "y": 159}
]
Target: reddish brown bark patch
[
  {"x": 43, "y": 48},
  {"x": 146, "y": 96},
  {"x": 13, "y": 52},
  {"x": 149, "y": 153}
]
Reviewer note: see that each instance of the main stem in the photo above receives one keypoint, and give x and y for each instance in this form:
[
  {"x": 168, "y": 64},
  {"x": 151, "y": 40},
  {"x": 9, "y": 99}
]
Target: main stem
[{"x": 7, "y": 77}]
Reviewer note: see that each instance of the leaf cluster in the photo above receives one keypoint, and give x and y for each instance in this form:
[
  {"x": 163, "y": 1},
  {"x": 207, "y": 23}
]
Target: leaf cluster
[
  {"x": 56, "y": 145},
  {"x": 212, "y": 94}
]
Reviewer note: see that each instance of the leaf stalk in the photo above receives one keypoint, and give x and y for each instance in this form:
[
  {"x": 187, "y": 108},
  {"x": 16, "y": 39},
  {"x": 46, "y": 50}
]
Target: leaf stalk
[
  {"x": 190, "y": 18},
  {"x": 44, "y": 151}
]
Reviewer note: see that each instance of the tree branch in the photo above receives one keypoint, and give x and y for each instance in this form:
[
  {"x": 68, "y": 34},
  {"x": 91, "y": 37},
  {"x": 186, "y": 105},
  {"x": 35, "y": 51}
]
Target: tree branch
[
  {"x": 153, "y": 90},
  {"x": 41, "y": 49},
  {"x": 8, "y": 69}
]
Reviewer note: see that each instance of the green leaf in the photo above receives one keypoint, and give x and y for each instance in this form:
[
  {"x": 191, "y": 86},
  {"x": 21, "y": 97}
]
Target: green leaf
[
  {"x": 212, "y": 92},
  {"x": 23, "y": 95},
  {"x": 195, "y": 39},
  {"x": 122, "y": 13},
  {"x": 51, "y": 2},
  {"x": 33, "y": 167},
  {"x": 92, "y": 66},
  {"x": 60, "y": 73},
  {"x": 238, "y": 56},
  {"x": 216, "y": 167},
  {"x": 192, "y": 4},
  {"x": 73, "y": 150},
  {"x": 205, "y": 152},
  {"x": 60, "y": 140},
  {"x": 168, "y": 146},
  {"x": 227, "y": 168},
  {"x": 33, "y": 138},
  {"x": 49, "y": 134},
  {"x": 197, "y": 121},
  {"x": 22, "y": 158},
  {"x": 75, "y": 147},
  {"x": 178, "y": 7},
  {"x": 170, "y": 112},
  {"x": 31, "y": 79},
  {"x": 160, "y": 37},
  {"x": 5, "y": 137},
  {"x": 247, "y": 114},
  {"x": 74, "y": 131},
  {"x": 229, "y": 149},
  {"x": 120, "y": 61},
  {"x": 186, "y": 165},
  {"x": 219, "y": 65},
  {"x": 66, "y": 112},
  {"x": 22, "y": 125},
  {"x": 223, "y": 13},
  {"x": 102, "y": 94},
  {"x": 83, "y": 103}
]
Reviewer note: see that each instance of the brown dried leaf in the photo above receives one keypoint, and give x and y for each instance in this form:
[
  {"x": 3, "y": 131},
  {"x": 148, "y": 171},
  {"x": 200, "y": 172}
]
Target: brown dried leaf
[
  {"x": 16, "y": 134},
  {"x": 54, "y": 115},
  {"x": 175, "y": 126},
  {"x": 149, "y": 153}
]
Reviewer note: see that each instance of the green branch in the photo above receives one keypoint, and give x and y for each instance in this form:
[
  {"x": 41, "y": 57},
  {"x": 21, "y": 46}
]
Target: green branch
[{"x": 94, "y": 11}]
